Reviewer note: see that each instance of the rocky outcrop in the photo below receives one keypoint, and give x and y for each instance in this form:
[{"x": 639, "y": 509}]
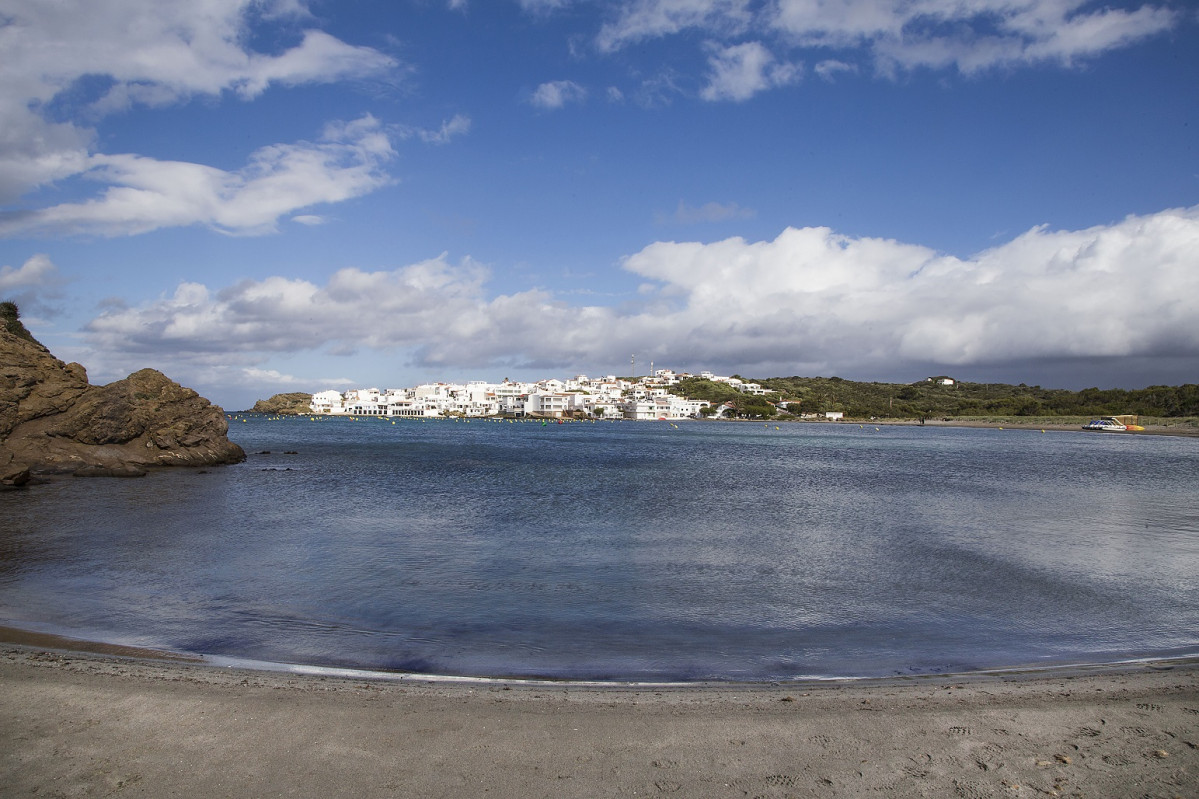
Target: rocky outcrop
[
  {"x": 52, "y": 421},
  {"x": 293, "y": 404}
]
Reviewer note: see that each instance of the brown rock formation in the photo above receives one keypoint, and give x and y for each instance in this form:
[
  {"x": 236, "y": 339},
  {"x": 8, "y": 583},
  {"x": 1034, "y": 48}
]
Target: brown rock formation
[
  {"x": 53, "y": 421},
  {"x": 292, "y": 404}
]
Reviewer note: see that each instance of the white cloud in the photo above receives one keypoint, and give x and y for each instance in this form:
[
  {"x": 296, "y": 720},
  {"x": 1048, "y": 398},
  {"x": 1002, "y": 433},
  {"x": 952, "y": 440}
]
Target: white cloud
[
  {"x": 38, "y": 271},
  {"x": 808, "y": 300},
  {"x": 281, "y": 314},
  {"x": 829, "y": 68},
  {"x": 148, "y": 52},
  {"x": 32, "y": 284},
  {"x": 968, "y": 35},
  {"x": 145, "y": 194},
  {"x": 1122, "y": 290},
  {"x": 459, "y": 125},
  {"x": 254, "y": 376},
  {"x": 742, "y": 70},
  {"x": 556, "y": 94},
  {"x": 637, "y": 20}
]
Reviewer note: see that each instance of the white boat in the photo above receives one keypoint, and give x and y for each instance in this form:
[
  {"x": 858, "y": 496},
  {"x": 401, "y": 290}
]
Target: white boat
[{"x": 1114, "y": 424}]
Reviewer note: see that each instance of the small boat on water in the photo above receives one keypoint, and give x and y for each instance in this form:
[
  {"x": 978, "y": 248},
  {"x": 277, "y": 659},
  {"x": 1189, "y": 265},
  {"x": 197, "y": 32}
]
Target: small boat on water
[{"x": 1114, "y": 424}]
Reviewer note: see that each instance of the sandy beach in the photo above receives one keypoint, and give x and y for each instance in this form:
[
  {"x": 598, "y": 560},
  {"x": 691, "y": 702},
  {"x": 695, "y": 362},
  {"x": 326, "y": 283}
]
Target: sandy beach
[{"x": 101, "y": 724}]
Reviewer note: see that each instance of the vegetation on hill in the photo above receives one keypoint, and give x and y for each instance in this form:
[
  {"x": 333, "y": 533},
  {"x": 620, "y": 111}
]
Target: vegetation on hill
[
  {"x": 10, "y": 318},
  {"x": 746, "y": 405},
  {"x": 294, "y": 404},
  {"x": 932, "y": 399}
]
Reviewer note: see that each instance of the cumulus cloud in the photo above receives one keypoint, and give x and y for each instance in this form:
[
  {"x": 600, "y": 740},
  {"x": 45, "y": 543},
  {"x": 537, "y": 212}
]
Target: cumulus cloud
[
  {"x": 145, "y": 194},
  {"x": 1107, "y": 291},
  {"x": 72, "y": 60},
  {"x": 742, "y": 70},
  {"x": 37, "y": 272},
  {"x": 556, "y": 94},
  {"x": 807, "y": 301},
  {"x": 32, "y": 285}
]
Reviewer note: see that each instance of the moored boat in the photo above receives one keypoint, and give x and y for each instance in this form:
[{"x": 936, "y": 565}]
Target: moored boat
[{"x": 1114, "y": 424}]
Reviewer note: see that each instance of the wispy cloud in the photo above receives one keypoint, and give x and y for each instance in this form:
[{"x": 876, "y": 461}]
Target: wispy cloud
[
  {"x": 708, "y": 212},
  {"x": 556, "y": 94},
  {"x": 144, "y": 194},
  {"x": 450, "y": 129},
  {"x": 935, "y": 34},
  {"x": 73, "y": 60},
  {"x": 273, "y": 377},
  {"x": 637, "y": 20},
  {"x": 829, "y": 68}
]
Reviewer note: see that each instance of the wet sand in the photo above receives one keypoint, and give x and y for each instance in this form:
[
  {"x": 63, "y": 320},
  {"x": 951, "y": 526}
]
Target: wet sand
[{"x": 89, "y": 724}]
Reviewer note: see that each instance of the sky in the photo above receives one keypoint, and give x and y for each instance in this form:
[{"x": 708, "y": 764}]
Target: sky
[{"x": 261, "y": 196}]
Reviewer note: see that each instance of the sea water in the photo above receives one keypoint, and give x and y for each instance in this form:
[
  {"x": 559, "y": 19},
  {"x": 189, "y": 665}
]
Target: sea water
[{"x": 627, "y": 551}]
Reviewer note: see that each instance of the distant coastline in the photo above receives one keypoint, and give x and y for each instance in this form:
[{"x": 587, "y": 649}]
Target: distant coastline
[{"x": 673, "y": 396}]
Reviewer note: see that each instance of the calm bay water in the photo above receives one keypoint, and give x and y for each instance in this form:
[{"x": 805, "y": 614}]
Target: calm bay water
[{"x": 645, "y": 551}]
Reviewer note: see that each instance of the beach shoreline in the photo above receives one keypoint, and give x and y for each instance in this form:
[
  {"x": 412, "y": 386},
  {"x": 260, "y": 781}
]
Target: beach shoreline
[
  {"x": 1016, "y": 424},
  {"x": 96, "y": 723}
]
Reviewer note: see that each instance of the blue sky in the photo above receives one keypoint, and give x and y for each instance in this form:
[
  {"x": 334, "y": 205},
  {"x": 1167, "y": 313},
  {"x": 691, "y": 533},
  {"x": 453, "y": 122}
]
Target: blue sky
[{"x": 295, "y": 195}]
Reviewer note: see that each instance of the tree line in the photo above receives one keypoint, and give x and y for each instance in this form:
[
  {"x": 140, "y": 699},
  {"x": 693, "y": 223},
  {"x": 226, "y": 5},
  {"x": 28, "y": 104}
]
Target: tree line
[{"x": 932, "y": 399}]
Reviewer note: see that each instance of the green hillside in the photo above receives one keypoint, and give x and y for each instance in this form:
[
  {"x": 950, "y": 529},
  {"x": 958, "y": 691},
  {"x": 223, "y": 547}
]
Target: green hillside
[{"x": 931, "y": 399}]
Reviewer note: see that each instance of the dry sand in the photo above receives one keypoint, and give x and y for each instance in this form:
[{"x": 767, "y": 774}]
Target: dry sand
[{"x": 90, "y": 724}]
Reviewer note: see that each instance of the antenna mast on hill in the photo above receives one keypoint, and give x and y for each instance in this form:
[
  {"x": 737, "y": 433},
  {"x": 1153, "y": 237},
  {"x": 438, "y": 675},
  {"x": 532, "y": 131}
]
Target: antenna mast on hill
[{"x": 633, "y": 362}]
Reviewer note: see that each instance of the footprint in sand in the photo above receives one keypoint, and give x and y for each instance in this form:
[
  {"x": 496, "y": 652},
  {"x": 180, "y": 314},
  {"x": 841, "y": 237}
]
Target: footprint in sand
[{"x": 971, "y": 790}]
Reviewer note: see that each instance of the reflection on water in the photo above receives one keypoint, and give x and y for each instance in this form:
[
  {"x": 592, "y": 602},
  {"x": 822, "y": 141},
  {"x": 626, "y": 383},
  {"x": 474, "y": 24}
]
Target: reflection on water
[{"x": 629, "y": 551}]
